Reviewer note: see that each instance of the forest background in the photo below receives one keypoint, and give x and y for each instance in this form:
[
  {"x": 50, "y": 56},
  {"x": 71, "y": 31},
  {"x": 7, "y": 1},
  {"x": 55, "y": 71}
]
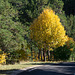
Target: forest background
[{"x": 16, "y": 16}]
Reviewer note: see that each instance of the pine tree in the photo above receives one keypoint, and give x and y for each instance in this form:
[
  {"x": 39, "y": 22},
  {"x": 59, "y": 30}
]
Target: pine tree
[{"x": 11, "y": 31}]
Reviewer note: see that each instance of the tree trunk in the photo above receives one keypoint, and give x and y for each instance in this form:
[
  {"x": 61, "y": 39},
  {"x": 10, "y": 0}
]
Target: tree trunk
[
  {"x": 41, "y": 55},
  {"x": 48, "y": 55},
  {"x": 44, "y": 55},
  {"x": 72, "y": 57},
  {"x": 31, "y": 54}
]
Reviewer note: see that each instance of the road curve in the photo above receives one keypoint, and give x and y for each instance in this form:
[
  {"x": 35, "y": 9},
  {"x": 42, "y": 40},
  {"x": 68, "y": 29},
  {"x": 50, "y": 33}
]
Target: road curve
[{"x": 52, "y": 69}]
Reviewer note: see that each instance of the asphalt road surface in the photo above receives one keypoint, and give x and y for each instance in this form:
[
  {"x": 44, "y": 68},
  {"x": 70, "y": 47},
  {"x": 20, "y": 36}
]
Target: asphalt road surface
[{"x": 64, "y": 68}]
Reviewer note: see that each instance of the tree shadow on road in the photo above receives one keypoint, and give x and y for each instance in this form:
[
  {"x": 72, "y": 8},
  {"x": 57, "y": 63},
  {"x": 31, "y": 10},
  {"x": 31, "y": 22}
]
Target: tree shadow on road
[
  {"x": 63, "y": 68},
  {"x": 68, "y": 66},
  {"x": 44, "y": 72},
  {"x": 7, "y": 72}
]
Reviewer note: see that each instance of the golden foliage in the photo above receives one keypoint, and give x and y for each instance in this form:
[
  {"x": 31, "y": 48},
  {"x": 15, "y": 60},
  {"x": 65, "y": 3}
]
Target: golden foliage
[
  {"x": 2, "y": 57},
  {"x": 70, "y": 43},
  {"x": 71, "y": 49},
  {"x": 47, "y": 30}
]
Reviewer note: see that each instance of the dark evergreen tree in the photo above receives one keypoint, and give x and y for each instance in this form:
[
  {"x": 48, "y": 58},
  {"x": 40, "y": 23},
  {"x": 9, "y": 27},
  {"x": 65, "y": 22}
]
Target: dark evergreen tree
[
  {"x": 11, "y": 31},
  {"x": 69, "y": 7}
]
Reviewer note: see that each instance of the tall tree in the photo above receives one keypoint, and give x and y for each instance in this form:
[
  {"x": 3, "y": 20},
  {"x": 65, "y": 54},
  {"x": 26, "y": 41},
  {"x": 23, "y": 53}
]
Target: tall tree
[
  {"x": 11, "y": 31},
  {"x": 47, "y": 31},
  {"x": 30, "y": 9}
]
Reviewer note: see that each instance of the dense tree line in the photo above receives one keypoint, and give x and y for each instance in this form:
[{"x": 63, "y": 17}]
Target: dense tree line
[{"x": 16, "y": 16}]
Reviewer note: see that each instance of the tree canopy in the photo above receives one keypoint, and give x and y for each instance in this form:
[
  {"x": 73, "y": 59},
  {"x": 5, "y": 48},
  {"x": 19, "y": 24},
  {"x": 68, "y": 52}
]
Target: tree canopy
[{"x": 17, "y": 17}]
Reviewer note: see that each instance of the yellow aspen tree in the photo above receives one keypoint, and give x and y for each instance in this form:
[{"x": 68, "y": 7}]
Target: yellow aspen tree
[{"x": 48, "y": 31}]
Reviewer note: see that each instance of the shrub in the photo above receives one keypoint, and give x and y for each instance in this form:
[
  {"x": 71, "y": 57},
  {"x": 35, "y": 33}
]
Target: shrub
[{"x": 66, "y": 52}]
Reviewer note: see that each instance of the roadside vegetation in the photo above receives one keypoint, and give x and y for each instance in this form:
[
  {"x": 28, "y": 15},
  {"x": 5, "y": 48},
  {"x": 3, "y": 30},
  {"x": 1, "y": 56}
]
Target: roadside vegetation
[{"x": 36, "y": 31}]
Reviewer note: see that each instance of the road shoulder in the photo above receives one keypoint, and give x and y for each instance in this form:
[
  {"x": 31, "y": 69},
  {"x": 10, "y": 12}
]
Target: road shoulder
[{"x": 21, "y": 70}]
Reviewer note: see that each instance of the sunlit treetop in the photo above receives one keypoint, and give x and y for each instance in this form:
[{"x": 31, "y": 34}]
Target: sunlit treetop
[{"x": 47, "y": 30}]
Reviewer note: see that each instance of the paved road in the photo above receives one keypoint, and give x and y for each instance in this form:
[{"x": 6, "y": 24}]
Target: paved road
[{"x": 52, "y": 69}]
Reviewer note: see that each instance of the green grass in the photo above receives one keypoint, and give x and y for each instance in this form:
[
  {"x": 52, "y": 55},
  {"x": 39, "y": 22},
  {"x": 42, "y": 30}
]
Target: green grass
[{"x": 8, "y": 69}]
